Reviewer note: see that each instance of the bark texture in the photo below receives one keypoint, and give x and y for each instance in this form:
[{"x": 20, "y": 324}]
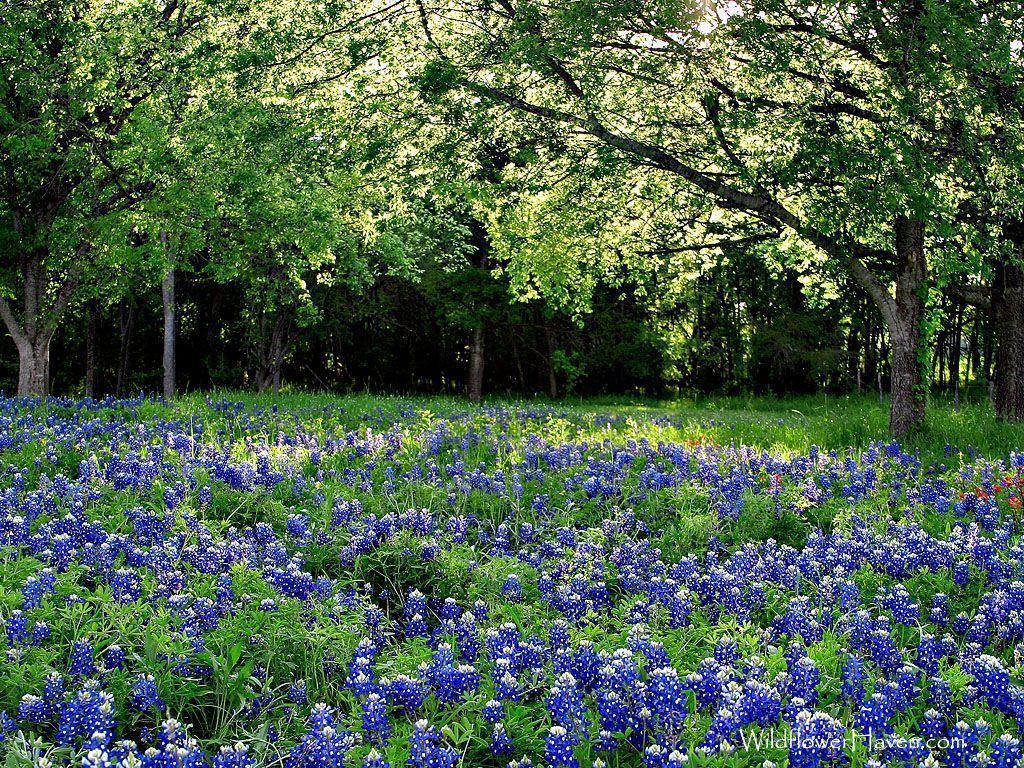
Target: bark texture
[
  {"x": 907, "y": 394},
  {"x": 1008, "y": 311}
]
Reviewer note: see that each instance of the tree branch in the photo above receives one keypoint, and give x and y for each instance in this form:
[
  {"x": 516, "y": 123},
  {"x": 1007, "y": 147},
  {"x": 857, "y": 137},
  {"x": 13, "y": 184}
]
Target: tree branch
[{"x": 13, "y": 327}]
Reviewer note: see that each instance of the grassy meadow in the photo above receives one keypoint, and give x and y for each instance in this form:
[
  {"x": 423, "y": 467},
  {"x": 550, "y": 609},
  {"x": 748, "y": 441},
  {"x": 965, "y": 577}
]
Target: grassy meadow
[{"x": 309, "y": 580}]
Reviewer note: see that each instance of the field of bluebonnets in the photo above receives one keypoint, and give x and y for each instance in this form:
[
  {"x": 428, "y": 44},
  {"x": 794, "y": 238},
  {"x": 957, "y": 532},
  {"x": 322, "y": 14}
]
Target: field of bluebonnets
[{"x": 373, "y": 582}]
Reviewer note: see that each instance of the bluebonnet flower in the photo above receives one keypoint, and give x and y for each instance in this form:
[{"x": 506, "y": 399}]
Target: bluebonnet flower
[
  {"x": 126, "y": 585},
  {"x": 406, "y": 693},
  {"x": 426, "y": 749},
  {"x": 236, "y": 756},
  {"x": 375, "y": 719},
  {"x": 961, "y": 745},
  {"x": 501, "y": 742},
  {"x": 1006, "y": 752},
  {"x": 114, "y": 657},
  {"x": 82, "y": 662},
  {"x": 560, "y": 746},
  {"x": 565, "y": 703},
  {"x": 16, "y": 628},
  {"x": 993, "y": 683},
  {"x": 874, "y": 716},
  {"x": 323, "y": 745},
  {"x": 512, "y": 589},
  {"x": 297, "y": 692},
  {"x": 38, "y": 587},
  {"x": 804, "y": 680},
  {"x": 144, "y": 695},
  {"x": 88, "y": 712},
  {"x": 667, "y": 698},
  {"x": 818, "y": 740},
  {"x": 853, "y": 679},
  {"x": 939, "y": 613}
]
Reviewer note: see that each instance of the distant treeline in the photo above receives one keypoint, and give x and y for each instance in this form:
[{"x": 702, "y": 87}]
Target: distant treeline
[{"x": 740, "y": 329}]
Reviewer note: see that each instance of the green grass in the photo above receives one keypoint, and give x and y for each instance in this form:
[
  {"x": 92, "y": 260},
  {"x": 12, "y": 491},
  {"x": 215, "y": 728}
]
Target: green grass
[{"x": 773, "y": 423}]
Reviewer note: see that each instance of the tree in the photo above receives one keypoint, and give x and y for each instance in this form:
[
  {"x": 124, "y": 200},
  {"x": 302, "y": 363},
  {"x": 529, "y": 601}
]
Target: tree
[
  {"x": 992, "y": 216},
  {"x": 859, "y": 107},
  {"x": 83, "y": 101}
]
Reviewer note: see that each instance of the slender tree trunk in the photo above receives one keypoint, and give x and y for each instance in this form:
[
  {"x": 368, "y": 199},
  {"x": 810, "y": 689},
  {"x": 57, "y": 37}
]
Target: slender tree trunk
[
  {"x": 939, "y": 358},
  {"x": 903, "y": 314},
  {"x": 1008, "y": 314},
  {"x": 988, "y": 350},
  {"x": 90, "y": 349},
  {"x": 853, "y": 356},
  {"x": 475, "y": 382},
  {"x": 955, "y": 352},
  {"x": 549, "y": 337},
  {"x": 167, "y": 295},
  {"x": 277, "y": 344},
  {"x": 518, "y": 359},
  {"x": 127, "y": 329},
  {"x": 907, "y": 391},
  {"x": 262, "y": 374},
  {"x": 871, "y": 353},
  {"x": 940, "y": 350},
  {"x": 973, "y": 355},
  {"x": 475, "y": 375},
  {"x": 1009, "y": 369}
]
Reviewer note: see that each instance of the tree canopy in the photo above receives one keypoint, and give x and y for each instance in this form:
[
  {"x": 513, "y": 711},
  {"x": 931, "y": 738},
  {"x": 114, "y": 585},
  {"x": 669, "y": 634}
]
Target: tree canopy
[{"x": 714, "y": 180}]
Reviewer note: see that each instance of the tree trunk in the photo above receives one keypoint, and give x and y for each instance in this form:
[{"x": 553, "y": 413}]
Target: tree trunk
[
  {"x": 127, "y": 329},
  {"x": 988, "y": 351},
  {"x": 277, "y": 355},
  {"x": 167, "y": 295},
  {"x": 907, "y": 389},
  {"x": 941, "y": 346},
  {"x": 32, "y": 336},
  {"x": 903, "y": 314},
  {"x": 955, "y": 352},
  {"x": 518, "y": 359},
  {"x": 906, "y": 393},
  {"x": 549, "y": 337},
  {"x": 939, "y": 358},
  {"x": 973, "y": 355},
  {"x": 90, "y": 349},
  {"x": 475, "y": 383},
  {"x": 1008, "y": 312},
  {"x": 272, "y": 356},
  {"x": 853, "y": 356},
  {"x": 34, "y": 369}
]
